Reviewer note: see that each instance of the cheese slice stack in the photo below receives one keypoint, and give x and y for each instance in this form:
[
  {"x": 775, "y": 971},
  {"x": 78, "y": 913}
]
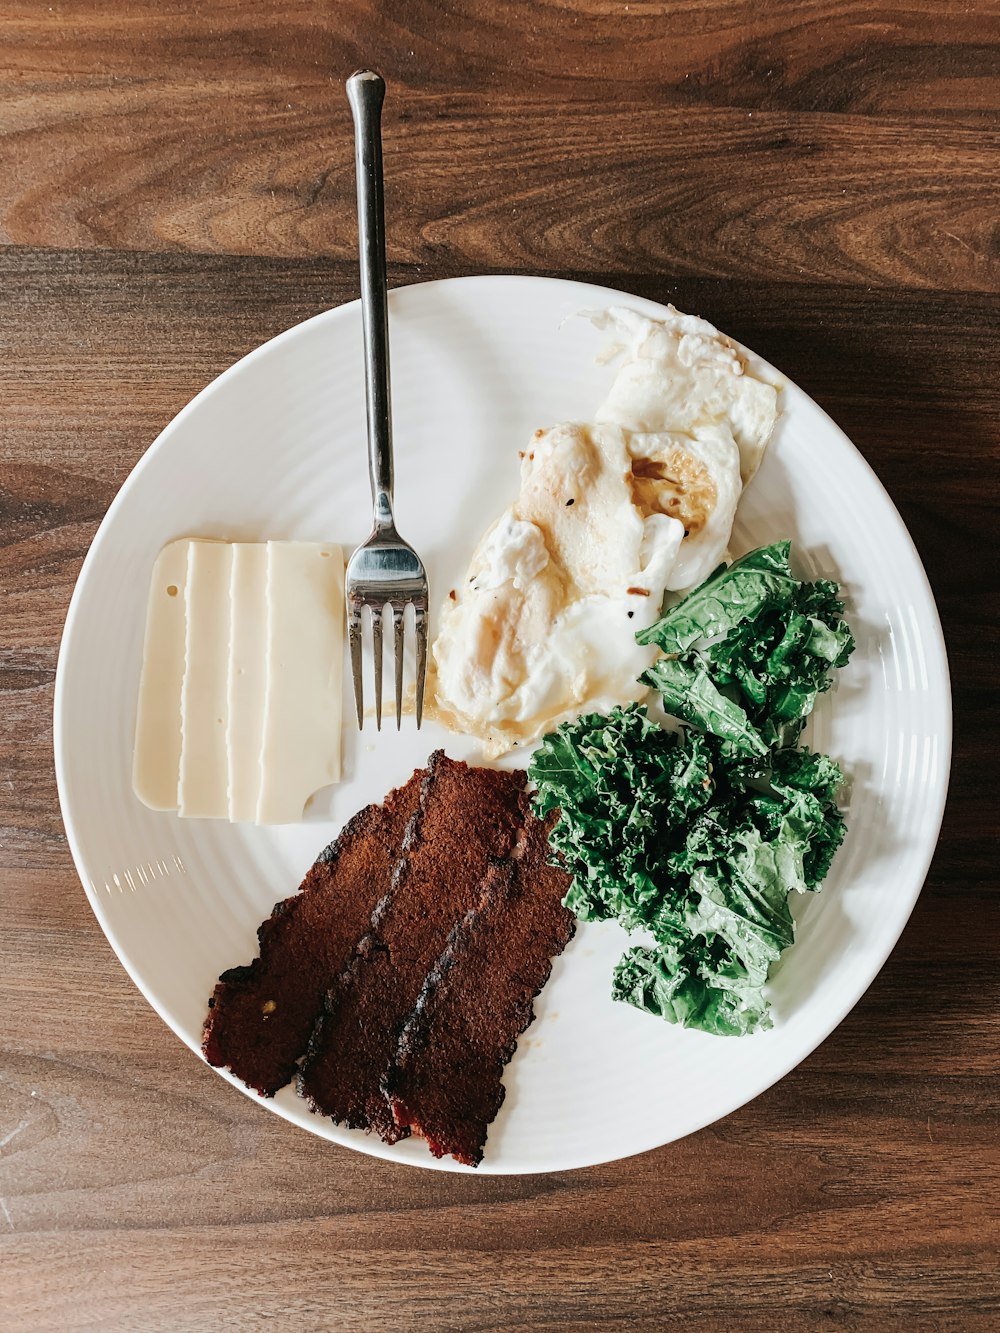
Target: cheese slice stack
[{"x": 239, "y": 712}]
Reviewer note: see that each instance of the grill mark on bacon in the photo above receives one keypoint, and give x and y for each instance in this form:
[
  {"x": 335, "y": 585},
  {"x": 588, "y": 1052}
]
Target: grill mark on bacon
[
  {"x": 446, "y": 1080},
  {"x": 261, "y": 1015},
  {"x": 467, "y": 819}
]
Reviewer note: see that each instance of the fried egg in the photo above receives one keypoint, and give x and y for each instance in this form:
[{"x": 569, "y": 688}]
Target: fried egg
[
  {"x": 610, "y": 516},
  {"x": 680, "y": 374}
]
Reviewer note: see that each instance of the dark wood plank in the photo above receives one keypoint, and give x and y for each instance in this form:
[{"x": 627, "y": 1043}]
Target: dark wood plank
[
  {"x": 798, "y": 141},
  {"x": 140, "y": 1190},
  {"x": 797, "y": 55}
]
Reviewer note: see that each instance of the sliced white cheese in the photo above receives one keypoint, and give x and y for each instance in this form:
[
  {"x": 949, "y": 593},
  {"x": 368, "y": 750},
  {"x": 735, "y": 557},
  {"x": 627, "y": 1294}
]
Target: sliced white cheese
[
  {"x": 247, "y": 670},
  {"x": 300, "y": 750},
  {"x": 203, "y": 786},
  {"x": 157, "y": 753}
]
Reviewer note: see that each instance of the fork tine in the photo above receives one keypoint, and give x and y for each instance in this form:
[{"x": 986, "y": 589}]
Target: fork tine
[
  {"x": 354, "y": 635},
  {"x": 377, "y": 653},
  {"x": 397, "y": 634},
  {"x": 421, "y": 628}
]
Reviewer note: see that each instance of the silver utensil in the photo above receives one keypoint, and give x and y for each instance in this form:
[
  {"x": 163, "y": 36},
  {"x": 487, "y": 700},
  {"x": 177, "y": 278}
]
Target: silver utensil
[{"x": 385, "y": 570}]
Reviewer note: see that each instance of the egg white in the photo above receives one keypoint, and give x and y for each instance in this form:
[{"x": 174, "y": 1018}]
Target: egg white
[{"x": 609, "y": 517}]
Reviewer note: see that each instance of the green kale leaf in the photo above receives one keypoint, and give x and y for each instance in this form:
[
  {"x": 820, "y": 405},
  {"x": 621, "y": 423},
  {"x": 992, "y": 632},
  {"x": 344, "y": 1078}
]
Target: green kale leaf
[
  {"x": 749, "y": 651},
  {"x": 698, "y": 837},
  {"x": 676, "y": 834},
  {"x": 689, "y": 693},
  {"x": 726, "y": 599}
]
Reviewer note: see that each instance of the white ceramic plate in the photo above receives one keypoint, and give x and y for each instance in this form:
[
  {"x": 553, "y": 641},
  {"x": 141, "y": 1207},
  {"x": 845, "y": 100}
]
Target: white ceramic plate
[{"x": 275, "y": 448}]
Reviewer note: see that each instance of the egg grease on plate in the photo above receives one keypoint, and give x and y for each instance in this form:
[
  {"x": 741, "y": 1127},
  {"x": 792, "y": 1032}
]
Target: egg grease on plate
[{"x": 611, "y": 515}]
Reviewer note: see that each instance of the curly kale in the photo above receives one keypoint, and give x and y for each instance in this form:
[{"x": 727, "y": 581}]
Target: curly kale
[
  {"x": 699, "y": 836},
  {"x": 747, "y": 653}
]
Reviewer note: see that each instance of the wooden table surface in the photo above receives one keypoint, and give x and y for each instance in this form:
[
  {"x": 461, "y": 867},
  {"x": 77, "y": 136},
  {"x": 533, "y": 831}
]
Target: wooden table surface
[{"x": 821, "y": 180}]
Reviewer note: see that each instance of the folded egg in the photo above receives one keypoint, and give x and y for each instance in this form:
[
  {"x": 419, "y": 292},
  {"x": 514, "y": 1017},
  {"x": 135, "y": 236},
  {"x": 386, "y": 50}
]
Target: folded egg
[
  {"x": 680, "y": 374},
  {"x": 610, "y": 516}
]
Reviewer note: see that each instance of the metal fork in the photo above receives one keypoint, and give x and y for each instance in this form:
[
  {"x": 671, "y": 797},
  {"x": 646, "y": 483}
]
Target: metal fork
[{"x": 385, "y": 570}]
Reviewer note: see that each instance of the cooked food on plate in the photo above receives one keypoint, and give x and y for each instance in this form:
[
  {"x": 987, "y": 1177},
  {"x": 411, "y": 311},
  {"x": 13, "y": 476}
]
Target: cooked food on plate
[
  {"x": 393, "y": 987},
  {"x": 402, "y": 974},
  {"x": 396, "y": 983},
  {"x": 239, "y": 707},
  {"x": 610, "y": 515}
]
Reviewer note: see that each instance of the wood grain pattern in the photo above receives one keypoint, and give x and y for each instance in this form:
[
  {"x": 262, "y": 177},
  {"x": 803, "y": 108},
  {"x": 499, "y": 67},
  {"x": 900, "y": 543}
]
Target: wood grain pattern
[
  {"x": 816, "y": 177},
  {"x": 800, "y": 55},
  {"x": 614, "y": 188},
  {"x": 227, "y": 132}
]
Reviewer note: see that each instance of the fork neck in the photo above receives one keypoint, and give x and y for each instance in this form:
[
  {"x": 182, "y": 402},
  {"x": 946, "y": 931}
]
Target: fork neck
[{"x": 383, "y": 519}]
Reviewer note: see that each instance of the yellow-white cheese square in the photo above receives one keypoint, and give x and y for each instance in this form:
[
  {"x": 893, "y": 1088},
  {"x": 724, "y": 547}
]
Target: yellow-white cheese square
[
  {"x": 247, "y": 670},
  {"x": 300, "y": 750},
  {"x": 203, "y": 784},
  {"x": 157, "y": 753}
]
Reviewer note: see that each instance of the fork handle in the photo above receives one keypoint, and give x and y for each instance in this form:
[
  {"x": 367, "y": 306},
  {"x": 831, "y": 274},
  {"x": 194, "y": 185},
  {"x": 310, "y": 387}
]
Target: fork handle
[{"x": 365, "y": 92}]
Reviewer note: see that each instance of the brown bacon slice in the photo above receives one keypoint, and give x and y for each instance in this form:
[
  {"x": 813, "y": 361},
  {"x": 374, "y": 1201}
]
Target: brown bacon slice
[
  {"x": 260, "y": 1015},
  {"x": 467, "y": 819},
  {"x": 445, "y": 1083}
]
